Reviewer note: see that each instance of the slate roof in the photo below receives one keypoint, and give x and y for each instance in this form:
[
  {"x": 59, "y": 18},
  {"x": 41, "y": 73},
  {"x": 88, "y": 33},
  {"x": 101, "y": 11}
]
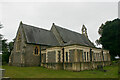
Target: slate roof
[
  {"x": 41, "y": 36},
  {"x": 36, "y": 35},
  {"x": 70, "y": 37}
]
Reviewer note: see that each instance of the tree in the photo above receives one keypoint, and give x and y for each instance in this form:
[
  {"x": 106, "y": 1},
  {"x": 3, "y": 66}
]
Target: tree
[
  {"x": 1, "y": 38},
  {"x": 10, "y": 45},
  {"x": 5, "y": 48},
  {"x": 110, "y": 37},
  {"x": 5, "y": 51},
  {"x": 0, "y": 45}
]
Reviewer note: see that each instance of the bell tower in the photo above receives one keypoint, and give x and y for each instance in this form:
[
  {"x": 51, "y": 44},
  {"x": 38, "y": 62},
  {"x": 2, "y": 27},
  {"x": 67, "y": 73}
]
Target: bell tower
[{"x": 84, "y": 30}]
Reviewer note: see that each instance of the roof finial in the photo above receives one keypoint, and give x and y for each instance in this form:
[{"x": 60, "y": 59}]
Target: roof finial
[
  {"x": 21, "y": 22},
  {"x": 53, "y": 23}
]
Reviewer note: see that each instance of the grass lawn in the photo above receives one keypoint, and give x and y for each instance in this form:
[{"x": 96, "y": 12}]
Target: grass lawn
[{"x": 40, "y": 72}]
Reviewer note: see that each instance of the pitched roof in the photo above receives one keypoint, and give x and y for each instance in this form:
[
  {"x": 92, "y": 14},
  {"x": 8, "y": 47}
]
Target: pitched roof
[
  {"x": 39, "y": 36},
  {"x": 70, "y": 37}
]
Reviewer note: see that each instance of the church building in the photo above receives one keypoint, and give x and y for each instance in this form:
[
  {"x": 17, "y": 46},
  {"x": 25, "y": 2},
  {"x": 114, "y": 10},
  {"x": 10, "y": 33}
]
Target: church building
[{"x": 57, "y": 48}]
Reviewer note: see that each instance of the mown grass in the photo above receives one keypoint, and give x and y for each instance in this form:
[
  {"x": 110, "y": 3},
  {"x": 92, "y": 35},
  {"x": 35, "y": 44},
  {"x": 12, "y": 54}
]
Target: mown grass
[{"x": 40, "y": 72}]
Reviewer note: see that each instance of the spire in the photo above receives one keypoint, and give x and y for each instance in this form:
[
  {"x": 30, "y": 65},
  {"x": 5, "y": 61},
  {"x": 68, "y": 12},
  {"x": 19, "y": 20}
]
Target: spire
[{"x": 84, "y": 30}]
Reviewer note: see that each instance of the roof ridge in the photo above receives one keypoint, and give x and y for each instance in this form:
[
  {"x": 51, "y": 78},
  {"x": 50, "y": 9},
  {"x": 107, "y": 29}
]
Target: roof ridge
[
  {"x": 68, "y": 30},
  {"x": 34, "y": 27}
]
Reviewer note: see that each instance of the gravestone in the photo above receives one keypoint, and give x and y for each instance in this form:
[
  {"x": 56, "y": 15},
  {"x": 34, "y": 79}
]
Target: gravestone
[{"x": 2, "y": 72}]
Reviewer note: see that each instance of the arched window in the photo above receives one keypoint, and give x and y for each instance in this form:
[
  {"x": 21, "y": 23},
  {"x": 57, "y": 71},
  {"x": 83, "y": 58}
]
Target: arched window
[{"x": 36, "y": 50}]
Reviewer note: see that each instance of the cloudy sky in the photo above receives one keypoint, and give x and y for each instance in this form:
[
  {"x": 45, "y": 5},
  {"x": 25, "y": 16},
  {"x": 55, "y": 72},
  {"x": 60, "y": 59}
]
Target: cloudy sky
[{"x": 70, "y": 15}]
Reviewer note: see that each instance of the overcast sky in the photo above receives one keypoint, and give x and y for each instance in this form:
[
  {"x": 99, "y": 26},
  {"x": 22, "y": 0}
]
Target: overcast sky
[{"x": 70, "y": 15}]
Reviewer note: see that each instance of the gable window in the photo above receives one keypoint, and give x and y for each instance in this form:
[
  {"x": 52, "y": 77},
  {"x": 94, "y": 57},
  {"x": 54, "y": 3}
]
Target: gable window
[
  {"x": 36, "y": 50},
  {"x": 18, "y": 42}
]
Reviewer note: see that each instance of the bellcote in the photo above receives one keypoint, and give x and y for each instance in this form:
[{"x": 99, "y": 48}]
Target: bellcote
[{"x": 84, "y": 30}]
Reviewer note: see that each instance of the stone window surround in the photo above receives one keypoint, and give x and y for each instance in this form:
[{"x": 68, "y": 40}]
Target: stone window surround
[
  {"x": 56, "y": 49},
  {"x": 38, "y": 50},
  {"x": 86, "y": 51},
  {"x": 67, "y": 48}
]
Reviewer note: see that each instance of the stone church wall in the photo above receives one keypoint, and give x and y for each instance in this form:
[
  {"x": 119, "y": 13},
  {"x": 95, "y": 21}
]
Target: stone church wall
[
  {"x": 25, "y": 56},
  {"x": 16, "y": 57},
  {"x": 30, "y": 58}
]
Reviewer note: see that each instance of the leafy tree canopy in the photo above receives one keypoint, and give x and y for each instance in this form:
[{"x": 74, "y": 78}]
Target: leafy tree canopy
[{"x": 110, "y": 36}]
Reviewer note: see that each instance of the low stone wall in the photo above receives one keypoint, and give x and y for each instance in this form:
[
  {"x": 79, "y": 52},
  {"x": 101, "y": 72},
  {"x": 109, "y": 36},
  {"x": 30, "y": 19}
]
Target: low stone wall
[
  {"x": 15, "y": 64},
  {"x": 23, "y": 65},
  {"x": 106, "y": 63},
  {"x": 76, "y": 66},
  {"x": 56, "y": 66}
]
